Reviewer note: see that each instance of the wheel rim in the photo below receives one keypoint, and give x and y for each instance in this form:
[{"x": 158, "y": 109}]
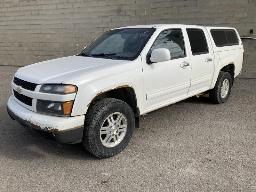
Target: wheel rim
[
  {"x": 224, "y": 88},
  {"x": 113, "y": 129}
]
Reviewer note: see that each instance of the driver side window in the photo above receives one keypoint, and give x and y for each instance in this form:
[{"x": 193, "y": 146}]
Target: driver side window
[{"x": 171, "y": 39}]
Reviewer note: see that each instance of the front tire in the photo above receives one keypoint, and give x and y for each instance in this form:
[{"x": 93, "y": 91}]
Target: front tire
[
  {"x": 109, "y": 126},
  {"x": 221, "y": 92}
]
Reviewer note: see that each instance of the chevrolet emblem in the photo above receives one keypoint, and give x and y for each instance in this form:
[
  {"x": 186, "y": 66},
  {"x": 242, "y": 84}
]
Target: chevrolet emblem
[{"x": 19, "y": 90}]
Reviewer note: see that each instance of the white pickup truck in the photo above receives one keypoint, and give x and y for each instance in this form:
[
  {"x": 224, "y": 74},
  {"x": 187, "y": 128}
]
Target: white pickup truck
[{"x": 97, "y": 96}]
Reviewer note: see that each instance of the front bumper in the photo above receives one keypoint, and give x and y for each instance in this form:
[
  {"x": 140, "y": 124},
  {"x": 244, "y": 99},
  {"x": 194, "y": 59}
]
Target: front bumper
[{"x": 64, "y": 129}]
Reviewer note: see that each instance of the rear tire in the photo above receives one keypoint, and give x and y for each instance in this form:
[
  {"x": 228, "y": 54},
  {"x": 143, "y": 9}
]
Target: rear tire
[
  {"x": 108, "y": 129},
  {"x": 221, "y": 92}
]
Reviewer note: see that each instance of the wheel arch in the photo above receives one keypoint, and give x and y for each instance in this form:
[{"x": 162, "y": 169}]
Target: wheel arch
[
  {"x": 230, "y": 68},
  {"x": 124, "y": 93}
]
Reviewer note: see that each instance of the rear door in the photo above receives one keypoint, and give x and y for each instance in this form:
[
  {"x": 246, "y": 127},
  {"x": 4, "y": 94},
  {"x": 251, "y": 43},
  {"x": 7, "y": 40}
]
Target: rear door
[{"x": 201, "y": 58}]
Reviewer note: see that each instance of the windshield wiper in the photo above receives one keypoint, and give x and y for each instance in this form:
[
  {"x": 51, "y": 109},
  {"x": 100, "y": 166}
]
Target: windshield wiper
[
  {"x": 106, "y": 55},
  {"x": 122, "y": 57},
  {"x": 111, "y": 56},
  {"x": 84, "y": 55}
]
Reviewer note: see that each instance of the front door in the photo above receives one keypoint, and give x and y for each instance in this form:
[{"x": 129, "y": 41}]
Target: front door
[{"x": 169, "y": 81}]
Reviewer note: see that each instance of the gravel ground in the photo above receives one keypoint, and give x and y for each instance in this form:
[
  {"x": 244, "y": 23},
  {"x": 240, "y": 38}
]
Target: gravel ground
[{"x": 189, "y": 146}]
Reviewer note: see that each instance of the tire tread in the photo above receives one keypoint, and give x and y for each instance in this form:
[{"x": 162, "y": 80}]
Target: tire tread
[
  {"x": 93, "y": 116},
  {"x": 214, "y": 94}
]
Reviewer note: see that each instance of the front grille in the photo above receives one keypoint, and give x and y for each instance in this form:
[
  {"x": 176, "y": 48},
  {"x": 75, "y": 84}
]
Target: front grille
[
  {"x": 23, "y": 98},
  {"x": 24, "y": 84}
]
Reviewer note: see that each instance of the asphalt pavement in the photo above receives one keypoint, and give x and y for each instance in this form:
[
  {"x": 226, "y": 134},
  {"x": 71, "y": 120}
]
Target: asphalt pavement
[{"x": 189, "y": 146}]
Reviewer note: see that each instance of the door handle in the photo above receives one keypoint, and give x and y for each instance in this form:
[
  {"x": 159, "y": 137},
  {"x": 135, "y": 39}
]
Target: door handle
[
  {"x": 184, "y": 65},
  {"x": 208, "y": 59}
]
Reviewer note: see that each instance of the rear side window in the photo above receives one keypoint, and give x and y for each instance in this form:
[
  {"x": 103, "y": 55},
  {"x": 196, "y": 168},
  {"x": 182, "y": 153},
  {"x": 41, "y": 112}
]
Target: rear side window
[
  {"x": 224, "y": 37},
  {"x": 197, "y": 41}
]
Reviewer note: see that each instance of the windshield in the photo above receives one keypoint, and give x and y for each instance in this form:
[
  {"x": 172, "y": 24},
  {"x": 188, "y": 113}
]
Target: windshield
[{"x": 125, "y": 44}]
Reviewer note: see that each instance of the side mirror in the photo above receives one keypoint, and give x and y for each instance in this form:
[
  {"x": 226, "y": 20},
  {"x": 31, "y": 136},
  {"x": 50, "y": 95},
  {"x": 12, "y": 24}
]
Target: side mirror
[{"x": 160, "y": 55}]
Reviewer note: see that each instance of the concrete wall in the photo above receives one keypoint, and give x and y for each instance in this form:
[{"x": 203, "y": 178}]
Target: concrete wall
[{"x": 36, "y": 30}]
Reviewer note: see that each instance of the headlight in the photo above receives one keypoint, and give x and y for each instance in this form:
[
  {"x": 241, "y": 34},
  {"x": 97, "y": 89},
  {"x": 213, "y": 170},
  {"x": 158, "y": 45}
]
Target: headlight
[
  {"x": 55, "y": 107},
  {"x": 58, "y": 89}
]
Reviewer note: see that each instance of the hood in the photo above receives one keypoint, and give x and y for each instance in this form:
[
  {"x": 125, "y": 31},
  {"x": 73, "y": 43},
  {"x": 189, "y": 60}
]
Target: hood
[{"x": 63, "y": 70}]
